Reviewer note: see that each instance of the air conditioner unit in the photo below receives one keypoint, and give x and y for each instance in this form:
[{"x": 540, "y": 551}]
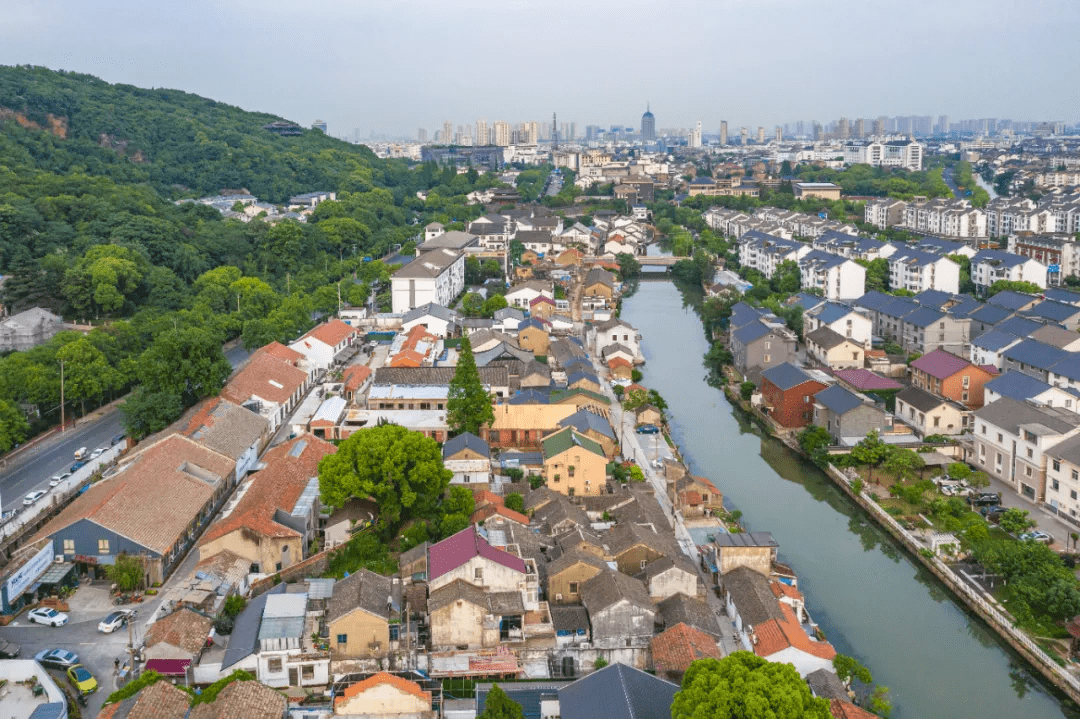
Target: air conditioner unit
[
  {"x": 558, "y": 597},
  {"x": 58, "y": 559}
]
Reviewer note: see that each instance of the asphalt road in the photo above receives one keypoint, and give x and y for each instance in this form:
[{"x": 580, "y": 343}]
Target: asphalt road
[
  {"x": 32, "y": 468},
  {"x": 947, "y": 175}
]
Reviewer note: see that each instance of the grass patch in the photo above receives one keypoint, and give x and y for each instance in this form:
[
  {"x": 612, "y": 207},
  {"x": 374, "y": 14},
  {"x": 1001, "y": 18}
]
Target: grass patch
[{"x": 363, "y": 551}]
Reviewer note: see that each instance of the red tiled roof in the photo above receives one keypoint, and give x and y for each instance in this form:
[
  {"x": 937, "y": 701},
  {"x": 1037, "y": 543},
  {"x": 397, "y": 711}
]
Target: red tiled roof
[
  {"x": 692, "y": 498},
  {"x": 331, "y": 333},
  {"x": 707, "y": 482},
  {"x": 676, "y": 648},
  {"x": 276, "y": 349},
  {"x": 780, "y": 589},
  {"x": 483, "y": 496},
  {"x": 184, "y": 629},
  {"x": 403, "y": 685},
  {"x": 452, "y": 552},
  {"x": 632, "y": 387},
  {"x": 276, "y": 487},
  {"x": 541, "y": 298},
  {"x": 407, "y": 358},
  {"x": 846, "y": 710},
  {"x": 775, "y": 636},
  {"x": 266, "y": 377},
  {"x": 940, "y": 364},
  {"x": 490, "y": 510},
  {"x": 865, "y": 380},
  {"x": 355, "y": 376},
  {"x": 619, "y": 362}
]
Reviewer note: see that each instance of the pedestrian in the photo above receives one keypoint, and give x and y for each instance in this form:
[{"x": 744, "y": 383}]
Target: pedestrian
[{"x": 116, "y": 665}]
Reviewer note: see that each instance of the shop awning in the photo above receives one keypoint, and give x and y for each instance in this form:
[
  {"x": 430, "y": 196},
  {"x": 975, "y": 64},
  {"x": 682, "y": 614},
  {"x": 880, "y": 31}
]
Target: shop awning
[{"x": 168, "y": 667}]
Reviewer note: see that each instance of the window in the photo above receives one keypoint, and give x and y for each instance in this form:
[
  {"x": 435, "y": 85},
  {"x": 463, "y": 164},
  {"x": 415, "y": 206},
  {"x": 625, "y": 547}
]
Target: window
[
  {"x": 767, "y": 358},
  {"x": 1057, "y": 465},
  {"x": 1029, "y": 436},
  {"x": 964, "y": 397},
  {"x": 573, "y": 587},
  {"x": 1000, "y": 438},
  {"x": 570, "y": 471},
  {"x": 103, "y": 546},
  {"x": 1055, "y": 485},
  {"x": 69, "y": 546},
  {"x": 342, "y": 638},
  {"x": 1075, "y": 475},
  {"x": 643, "y": 563},
  {"x": 395, "y": 632},
  {"x": 1072, "y": 494},
  {"x": 307, "y": 671},
  {"x": 478, "y": 574},
  {"x": 273, "y": 664},
  {"x": 966, "y": 382},
  {"x": 937, "y": 421},
  {"x": 1027, "y": 471},
  {"x": 768, "y": 345},
  {"x": 984, "y": 429},
  {"x": 1030, "y": 453}
]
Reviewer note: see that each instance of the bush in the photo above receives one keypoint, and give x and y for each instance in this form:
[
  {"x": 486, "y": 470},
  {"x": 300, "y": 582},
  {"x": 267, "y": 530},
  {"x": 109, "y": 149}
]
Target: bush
[
  {"x": 857, "y": 486},
  {"x": 234, "y": 605},
  {"x": 515, "y": 502},
  {"x": 746, "y": 390}
]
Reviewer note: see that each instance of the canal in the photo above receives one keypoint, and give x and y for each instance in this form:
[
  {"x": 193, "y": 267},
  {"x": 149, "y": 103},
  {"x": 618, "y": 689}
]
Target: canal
[{"x": 871, "y": 600}]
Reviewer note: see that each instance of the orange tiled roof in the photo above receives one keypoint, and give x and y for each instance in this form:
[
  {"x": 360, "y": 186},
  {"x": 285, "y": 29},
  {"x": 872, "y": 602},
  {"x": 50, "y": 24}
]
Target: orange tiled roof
[
  {"x": 846, "y": 710},
  {"x": 407, "y": 358},
  {"x": 184, "y": 629},
  {"x": 276, "y": 349},
  {"x": 403, "y": 685},
  {"x": 483, "y": 496},
  {"x": 691, "y": 497},
  {"x": 676, "y": 648},
  {"x": 331, "y": 333},
  {"x": 266, "y": 377},
  {"x": 708, "y": 483},
  {"x": 155, "y": 497},
  {"x": 276, "y": 487},
  {"x": 490, "y": 510},
  {"x": 632, "y": 387},
  {"x": 618, "y": 362},
  {"x": 355, "y": 376},
  {"x": 780, "y": 589},
  {"x": 775, "y": 636}
]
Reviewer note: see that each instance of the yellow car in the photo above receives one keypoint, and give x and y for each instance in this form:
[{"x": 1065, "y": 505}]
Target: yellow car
[{"x": 82, "y": 679}]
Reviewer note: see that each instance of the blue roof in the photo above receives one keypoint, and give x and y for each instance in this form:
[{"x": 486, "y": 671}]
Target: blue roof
[
  {"x": 899, "y": 307},
  {"x": 938, "y": 245},
  {"x": 837, "y": 399},
  {"x": 991, "y": 314},
  {"x": 1017, "y": 385},
  {"x": 743, "y": 314},
  {"x": 933, "y": 298},
  {"x": 915, "y": 257},
  {"x": 1018, "y": 326},
  {"x": 582, "y": 374},
  {"x": 831, "y": 312},
  {"x": 924, "y": 316},
  {"x": 1036, "y": 354},
  {"x": 993, "y": 340},
  {"x": 965, "y": 308},
  {"x": 873, "y": 300},
  {"x": 823, "y": 260},
  {"x": 807, "y": 300},
  {"x": 1053, "y": 311},
  {"x": 465, "y": 440},
  {"x": 617, "y": 692},
  {"x": 1011, "y": 300},
  {"x": 751, "y": 332},
  {"x": 530, "y": 396},
  {"x": 786, "y": 375},
  {"x": 1057, "y": 294},
  {"x": 998, "y": 258},
  {"x": 583, "y": 420},
  {"x": 1069, "y": 368}
]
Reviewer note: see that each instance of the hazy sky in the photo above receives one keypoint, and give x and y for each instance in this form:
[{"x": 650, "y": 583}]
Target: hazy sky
[{"x": 395, "y": 65}]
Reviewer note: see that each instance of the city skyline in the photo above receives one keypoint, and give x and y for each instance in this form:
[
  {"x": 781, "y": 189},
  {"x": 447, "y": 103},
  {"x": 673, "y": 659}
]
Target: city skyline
[{"x": 316, "y": 65}]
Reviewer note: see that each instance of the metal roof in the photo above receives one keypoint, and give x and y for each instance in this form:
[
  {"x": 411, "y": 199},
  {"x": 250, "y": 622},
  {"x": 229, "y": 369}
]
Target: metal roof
[
  {"x": 786, "y": 375},
  {"x": 837, "y": 399},
  {"x": 1016, "y": 385},
  {"x": 1038, "y": 355}
]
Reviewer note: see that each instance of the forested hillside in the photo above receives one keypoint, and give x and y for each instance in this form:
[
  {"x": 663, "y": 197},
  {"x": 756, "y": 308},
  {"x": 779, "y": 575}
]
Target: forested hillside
[{"x": 88, "y": 227}]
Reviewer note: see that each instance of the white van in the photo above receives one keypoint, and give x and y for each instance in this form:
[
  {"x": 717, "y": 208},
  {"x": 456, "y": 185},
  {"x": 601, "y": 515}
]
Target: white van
[{"x": 81, "y": 453}]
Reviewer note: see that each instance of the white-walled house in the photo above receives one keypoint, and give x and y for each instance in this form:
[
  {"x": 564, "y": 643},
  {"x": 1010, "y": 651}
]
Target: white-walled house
[
  {"x": 990, "y": 266},
  {"x": 837, "y": 277},
  {"x": 324, "y": 343},
  {"x": 435, "y": 277},
  {"x": 616, "y": 332},
  {"x": 841, "y": 319},
  {"x": 764, "y": 253},
  {"x": 917, "y": 271}
]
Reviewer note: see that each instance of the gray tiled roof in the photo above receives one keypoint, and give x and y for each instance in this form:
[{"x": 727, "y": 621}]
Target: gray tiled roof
[
  {"x": 838, "y": 400},
  {"x": 786, "y": 375},
  {"x": 827, "y": 337},
  {"x": 690, "y": 611},
  {"x": 1010, "y": 415},
  {"x": 465, "y": 440},
  {"x": 363, "y": 589},
  {"x": 610, "y": 587},
  {"x": 1016, "y": 385},
  {"x": 751, "y": 595},
  {"x": 617, "y": 692},
  {"x": 920, "y": 399}
]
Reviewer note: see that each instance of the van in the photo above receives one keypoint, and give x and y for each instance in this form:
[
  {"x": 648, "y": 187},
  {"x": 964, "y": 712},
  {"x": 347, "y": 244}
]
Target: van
[{"x": 81, "y": 453}]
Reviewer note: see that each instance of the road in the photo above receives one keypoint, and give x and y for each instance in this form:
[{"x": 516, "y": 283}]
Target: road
[
  {"x": 947, "y": 175},
  {"x": 32, "y": 468}
]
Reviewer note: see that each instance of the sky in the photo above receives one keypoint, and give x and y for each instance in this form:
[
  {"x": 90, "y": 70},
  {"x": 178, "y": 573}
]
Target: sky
[{"x": 392, "y": 66}]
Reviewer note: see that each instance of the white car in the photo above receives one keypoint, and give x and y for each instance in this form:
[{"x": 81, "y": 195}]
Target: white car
[
  {"x": 34, "y": 496},
  {"x": 97, "y": 453},
  {"x": 46, "y": 615},
  {"x": 58, "y": 478},
  {"x": 115, "y": 620}
]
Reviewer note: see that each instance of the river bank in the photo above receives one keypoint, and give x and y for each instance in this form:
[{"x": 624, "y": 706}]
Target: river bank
[{"x": 937, "y": 659}]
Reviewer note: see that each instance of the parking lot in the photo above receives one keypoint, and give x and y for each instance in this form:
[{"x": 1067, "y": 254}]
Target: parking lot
[{"x": 97, "y": 651}]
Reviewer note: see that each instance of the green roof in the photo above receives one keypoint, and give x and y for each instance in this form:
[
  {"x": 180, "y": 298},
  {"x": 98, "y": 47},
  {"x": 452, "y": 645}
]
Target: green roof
[
  {"x": 559, "y": 442},
  {"x": 564, "y": 393}
]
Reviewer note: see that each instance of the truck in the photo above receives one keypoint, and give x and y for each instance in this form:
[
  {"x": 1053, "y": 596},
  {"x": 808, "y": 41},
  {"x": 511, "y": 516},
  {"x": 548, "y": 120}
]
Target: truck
[{"x": 81, "y": 453}]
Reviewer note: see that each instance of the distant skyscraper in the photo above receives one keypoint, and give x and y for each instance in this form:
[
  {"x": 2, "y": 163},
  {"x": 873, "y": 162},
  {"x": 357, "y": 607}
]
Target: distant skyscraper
[
  {"x": 761, "y": 135},
  {"x": 860, "y": 128},
  {"x": 648, "y": 126},
  {"x": 573, "y": 132},
  {"x": 481, "y": 132},
  {"x": 779, "y": 134},
  {"x": 816, "y": 133},
  {"x": 502, "y": 133},
  {"x": 744, "y": 135},
  {"x": 531, "y": 132},
  {"x": 421, "y": 135},
  {"x": 723, "y": 132},
  {"x": 319, "y": 125},
  {"x": 447, "y": 132},
  {"x": 694, "y": 140},
  {"x": 943, "y": 125},
  {"x": 879, "y": 127}
]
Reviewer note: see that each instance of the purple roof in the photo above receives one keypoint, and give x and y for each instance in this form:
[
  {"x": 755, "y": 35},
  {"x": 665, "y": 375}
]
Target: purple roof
[
  {"x": 452, "y": 552},
  {"x": 865, "y": 380},
  {"x": 940, "y": 364}
]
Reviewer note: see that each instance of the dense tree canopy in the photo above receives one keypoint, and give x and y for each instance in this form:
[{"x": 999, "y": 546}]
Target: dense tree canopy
[
  {"x": 744, "y": 686},
  {"x": 468, "y": 406}
]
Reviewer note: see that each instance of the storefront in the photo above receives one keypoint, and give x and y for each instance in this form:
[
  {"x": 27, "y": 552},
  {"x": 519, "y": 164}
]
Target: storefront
[{"x": 20, "y": 581}]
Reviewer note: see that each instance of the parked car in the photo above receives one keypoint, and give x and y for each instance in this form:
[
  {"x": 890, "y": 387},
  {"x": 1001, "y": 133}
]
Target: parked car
[
  {"x": 986, "y": 498},
  {"x": 34, "y": 496},
  {"x": 117, "y": 439},
  {"x": 47, "y": 615},
  {"x": 993, "y": 514},
  {"x": 9, "y": 650},
  {"x": 76, "y": 467},
  {"x": 81, "y": 678},
  {"x": 58, "y": 478},
  {"x": 648, "y": 429},
  {"x": 97, "y": 453},
  {"x": 115, "y": 620},
  {"x": 1036, "y": 535},
  {"x": 57, "y": 658}
]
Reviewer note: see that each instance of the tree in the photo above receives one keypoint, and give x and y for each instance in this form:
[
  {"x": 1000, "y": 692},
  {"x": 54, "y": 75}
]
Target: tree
[
  {"x": 1029, "y": 288},
  {"x": 629, "y": 267},
  {"x": 401, "y": 470},
  {"x": 500, "y": 706},
  {"x": 515, "y": 502},
  {"x": 103, "y": 278},
  {"x": 814, "y": 438},
  {"x": 1016, "y": 521},
  {"x": 879, "y": 702},
  {"x": 473, "y": 304},
  {"x": 848, "y": 668},
  {"x": 468, "y": 406},
  {"x": 492, "y": 305},
  {"x": 145, "y": 412},
  {"x": 787, "y": 278},
  {"x": 904, "y": 463},
  {"x": 877, "y": 274},
  {"x": 870, "y": 450},
  {"x": 979, "y": 480},
  {"x": 186, "y": 362},
  {"x": 13, "y": 425},
  {"x": 746, "y": 390},
  {"x": 127, "y": 572},
  {"x": 744, "y": 686},
  {"x": 959, "y": 470},
  {"x": 633, "y": 399},
  {"x": 87, "y": 373}
]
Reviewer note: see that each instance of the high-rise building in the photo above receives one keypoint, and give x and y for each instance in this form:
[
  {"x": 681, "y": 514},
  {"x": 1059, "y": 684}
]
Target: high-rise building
[
  {"x": 860, "y": 128},
  {"x": 319, "y": 125},
  {"x": 843, "y": 129},
  {"x": 879, "y": 127},
  {"x": 943, "y": 125},
  {"x": 760, "y": 135},
  {"x": 779, "y": 134},
  {"x": 502, "y": 133},
  {"x": 694, "y": 139},
  {"x": 531, "y": 133},
  {"x": 816, "y": 132},
  {"x": 648, "y": 126},
  {"x": 744, "y": 135},
  {"x": 447, "y": 132},
  {"x": 723, "y": 132},
  {"x": 421, "y": 135},
  {"x": 481, "y": 132}
]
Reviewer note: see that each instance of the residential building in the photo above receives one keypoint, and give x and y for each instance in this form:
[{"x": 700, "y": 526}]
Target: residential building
[
  {"x": 676, "y": 648},
  {"x": 836, "y": 277},
  {"x": 788, "y": 392},
  {"x": 268, "y": 386},
  {"x": 384, "y": 695},
  {"x": 28, "y": 329},
  {"x": 824, "y": 190},
  {"x": 1060, "y": 313},
  {"x": 598, "y": 283},
  {"x": 944, "y": 217},
  {"x": 469, "y": 557},
  {"x": 754, "y": 550},
  {"x": 322, "y": 345},
  {"x": 672, "y": 575},
  {"x": 632, "y": 546},
  {"x": 469, "y": 458},
  {"x": 621, "y": 613},
  {"x": 1024, "y": 388},
  {"x": 1060, "y": 255},
  {"x": 990, "y": 266},
  {"x": 905, "y": 153},
  {"x": 1063, "y": 480},
  {"x": 884, "y": 213},
  {"x": 437, "y": 276},
  {"x": 929, "y": 414},
  {"x": 758, "y": 345},
  {"x": 180, "y": 636},
  {"x": 617, "y": 691},
  {"x": 852, "y": 246},
  {"x": 927, "y": 329},
  {"x": 915, "y": 271},
  {"x": 522, "y": 426},
  {"x": 437, "y": 320},
  {"x": 987, "y": 349},
  {"x": 596, "y": 427},
  {"x": 946, "y": 375},
  {"x": 574, "y": 464},
  {"x": 842, "y": 319},
  {"x": 358, "y": 615},
  {"x": 614, "y": 332},
  {"x": 764, "y": 253},
  {"x": 1033, "y": 358},
  {"x": 848, "y": 416},
  {"x": 1011, "y": 440},
  {"x": 567, "y": 573},
  {"x": 833, "y": 350},
  {"x": 521, "y": 294}
]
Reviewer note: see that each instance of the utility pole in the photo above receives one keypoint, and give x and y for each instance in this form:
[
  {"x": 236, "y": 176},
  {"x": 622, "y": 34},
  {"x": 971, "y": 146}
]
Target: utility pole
[{"x": 63, "y": 427}]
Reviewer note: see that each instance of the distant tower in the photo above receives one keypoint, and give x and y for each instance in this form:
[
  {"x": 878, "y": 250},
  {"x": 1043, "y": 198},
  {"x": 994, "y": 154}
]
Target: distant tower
[
  {"x": 554, "y": 132},
  {"x": 779, "y": 134},
  {"x": 761, "y": 135},
  {"x": 481, "y": 132},
  {"x": 421, "y": 135},
  {"x": 648, "y": 126},
  {"x": 447, "y": 132},
  {"x": 744, "y": 134},
  {"x": 319, "y": 125},
  {"x": 723, "y": 132}
]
